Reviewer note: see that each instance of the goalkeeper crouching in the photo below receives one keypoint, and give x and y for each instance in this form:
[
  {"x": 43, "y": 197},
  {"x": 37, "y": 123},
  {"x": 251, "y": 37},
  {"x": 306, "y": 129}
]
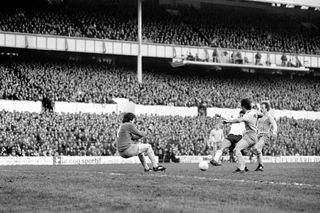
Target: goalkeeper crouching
[{"x": 128, "y": 146}]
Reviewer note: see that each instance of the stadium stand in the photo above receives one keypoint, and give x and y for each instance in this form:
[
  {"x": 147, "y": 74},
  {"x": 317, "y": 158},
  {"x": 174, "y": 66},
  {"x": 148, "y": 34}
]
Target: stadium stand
[
  {"x": 98, "y": 83},
  {"x": 252, "y": 29},
  {"x": 50, "y": 134}
]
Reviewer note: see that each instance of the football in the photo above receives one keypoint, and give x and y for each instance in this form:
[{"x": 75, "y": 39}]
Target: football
[{"x": 203, "y": 166}]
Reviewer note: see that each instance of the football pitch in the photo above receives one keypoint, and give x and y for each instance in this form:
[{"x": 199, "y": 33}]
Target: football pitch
[{"x": 289, "y": 187}]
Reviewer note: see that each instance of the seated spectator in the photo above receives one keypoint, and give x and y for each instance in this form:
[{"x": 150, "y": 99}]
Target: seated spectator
[
  {"x": 246, "y": 60},
  {"x": 190, "y": 57},
  {"x": 197, "y": 57},
  {"x": 238, "y": 58}
]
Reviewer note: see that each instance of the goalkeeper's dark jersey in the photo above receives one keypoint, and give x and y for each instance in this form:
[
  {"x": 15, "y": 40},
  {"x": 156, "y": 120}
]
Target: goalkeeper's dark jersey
[{"x": 126, "y": 134}]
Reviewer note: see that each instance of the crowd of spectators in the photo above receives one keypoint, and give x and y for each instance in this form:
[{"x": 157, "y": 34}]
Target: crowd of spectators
[
  {"x": 295, "y": 137},
  {"x": 51, "y": 21},
  {"x": 253, "y": 29},
  {"x": 98, "y": 83},
  {"x": 52, "y": 134},
  {"x": 214, "y": 26}
]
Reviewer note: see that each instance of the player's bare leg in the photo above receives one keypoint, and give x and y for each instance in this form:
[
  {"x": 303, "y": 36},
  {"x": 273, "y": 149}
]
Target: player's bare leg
[
  {"x": 214, "y": 150},
  {"x": 216, "y": 159},
  {"x": 258, "y": 151},
  {"x": 144, "y": 162},
  {"x": 146, "y": 148},
  {"x": 242, "y": 144}
]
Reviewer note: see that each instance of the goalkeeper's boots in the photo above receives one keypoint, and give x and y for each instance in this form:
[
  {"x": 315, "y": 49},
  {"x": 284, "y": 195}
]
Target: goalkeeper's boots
[
  {"x": 148, "y": 170},
  {"x": 159, "y": 168},
  {"x": 259, "y": 168},
  {"x": 215, "y": 163}
]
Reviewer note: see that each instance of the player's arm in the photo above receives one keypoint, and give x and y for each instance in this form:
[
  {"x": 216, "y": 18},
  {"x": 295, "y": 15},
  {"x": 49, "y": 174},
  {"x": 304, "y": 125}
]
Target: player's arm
[
  {"x": 237, "y": 120},
  {"x": 136, "y": 134},
  {"x": 222, "y": 136},
  {"x": 135, "y": 137}
]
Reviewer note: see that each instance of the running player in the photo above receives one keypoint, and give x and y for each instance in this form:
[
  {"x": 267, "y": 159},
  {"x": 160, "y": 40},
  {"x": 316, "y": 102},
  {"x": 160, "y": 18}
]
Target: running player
[
  {"x": 215, "y": 139},
  {"x": 234, "y": 136},
  {"x": 265, "y": 124},
  {"x": 249, "y": 138},
  {"x": 127, "y": 146}
]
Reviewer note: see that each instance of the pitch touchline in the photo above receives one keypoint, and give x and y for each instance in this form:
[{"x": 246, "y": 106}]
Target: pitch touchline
[{"x": 228, "y": 180}]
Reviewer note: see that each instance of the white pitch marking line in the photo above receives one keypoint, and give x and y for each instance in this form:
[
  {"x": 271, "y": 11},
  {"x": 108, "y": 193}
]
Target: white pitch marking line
[
  {"x": 194, "y": 177},
  {"x": 118, "y": 174},
  {"x": 240, "y": 181}
]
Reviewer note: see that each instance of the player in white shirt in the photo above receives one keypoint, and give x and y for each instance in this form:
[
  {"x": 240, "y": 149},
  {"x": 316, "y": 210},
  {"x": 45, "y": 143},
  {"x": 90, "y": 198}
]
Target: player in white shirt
[
  {"x": 250, "y": 137},
  {"x": 215, "y": 139},
  {"x": 234, "y": 136}
]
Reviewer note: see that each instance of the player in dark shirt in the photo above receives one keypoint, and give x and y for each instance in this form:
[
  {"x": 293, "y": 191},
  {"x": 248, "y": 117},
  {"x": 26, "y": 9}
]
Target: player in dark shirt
[{"x": 128, "y": 146}]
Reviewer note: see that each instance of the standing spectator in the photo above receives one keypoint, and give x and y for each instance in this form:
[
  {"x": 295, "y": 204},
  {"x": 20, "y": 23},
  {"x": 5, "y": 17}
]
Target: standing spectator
[
  {"x": 298, "y": 62},
  {"x": 284, "y": 60},
  {"x": 238, "y": 58},
  {"x": 258, "y": 58},
  {"x": 268, "y": 61},
  {"x": 215, "y": 55},
  {"x": 233, "y": 57}
]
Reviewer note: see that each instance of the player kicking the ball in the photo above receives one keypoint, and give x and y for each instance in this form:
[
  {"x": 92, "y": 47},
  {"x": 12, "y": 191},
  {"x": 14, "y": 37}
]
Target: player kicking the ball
[
  {"x": 234, "y": 136},
  {"x": 127, "y": 147},
  {"x": 265, "y": 124},
  {"x": 249, "y": 138}
]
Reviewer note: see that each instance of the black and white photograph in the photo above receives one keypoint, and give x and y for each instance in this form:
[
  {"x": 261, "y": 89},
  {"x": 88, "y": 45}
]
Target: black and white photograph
[{"x": 162, "y": 106}]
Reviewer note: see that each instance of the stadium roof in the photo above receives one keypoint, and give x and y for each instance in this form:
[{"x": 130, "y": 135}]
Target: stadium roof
[
  {"x": 307, "y": 3},
  {"x": 299, "y": 4}
]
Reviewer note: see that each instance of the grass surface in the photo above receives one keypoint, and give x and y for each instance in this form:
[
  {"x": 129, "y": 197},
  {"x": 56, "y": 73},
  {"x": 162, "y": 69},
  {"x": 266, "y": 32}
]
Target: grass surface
[{"x": 182, "y": 188}]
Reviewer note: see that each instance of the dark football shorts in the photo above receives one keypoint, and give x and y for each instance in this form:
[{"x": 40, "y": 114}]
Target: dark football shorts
[{"x": 234, "y": 139}]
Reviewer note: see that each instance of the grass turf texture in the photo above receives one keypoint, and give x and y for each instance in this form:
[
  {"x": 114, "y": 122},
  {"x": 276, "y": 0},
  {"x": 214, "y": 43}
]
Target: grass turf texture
[{"x": 182, "y": 188}]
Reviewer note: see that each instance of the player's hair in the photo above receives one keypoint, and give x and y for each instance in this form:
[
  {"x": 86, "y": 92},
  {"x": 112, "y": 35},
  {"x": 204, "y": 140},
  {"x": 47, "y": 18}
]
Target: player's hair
[
  {"x": 127, "y": 117},
  {"x": 246, "y": 103},
  {"x": 242, "y": 112},
  {"x": 267, "y": 105}
]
